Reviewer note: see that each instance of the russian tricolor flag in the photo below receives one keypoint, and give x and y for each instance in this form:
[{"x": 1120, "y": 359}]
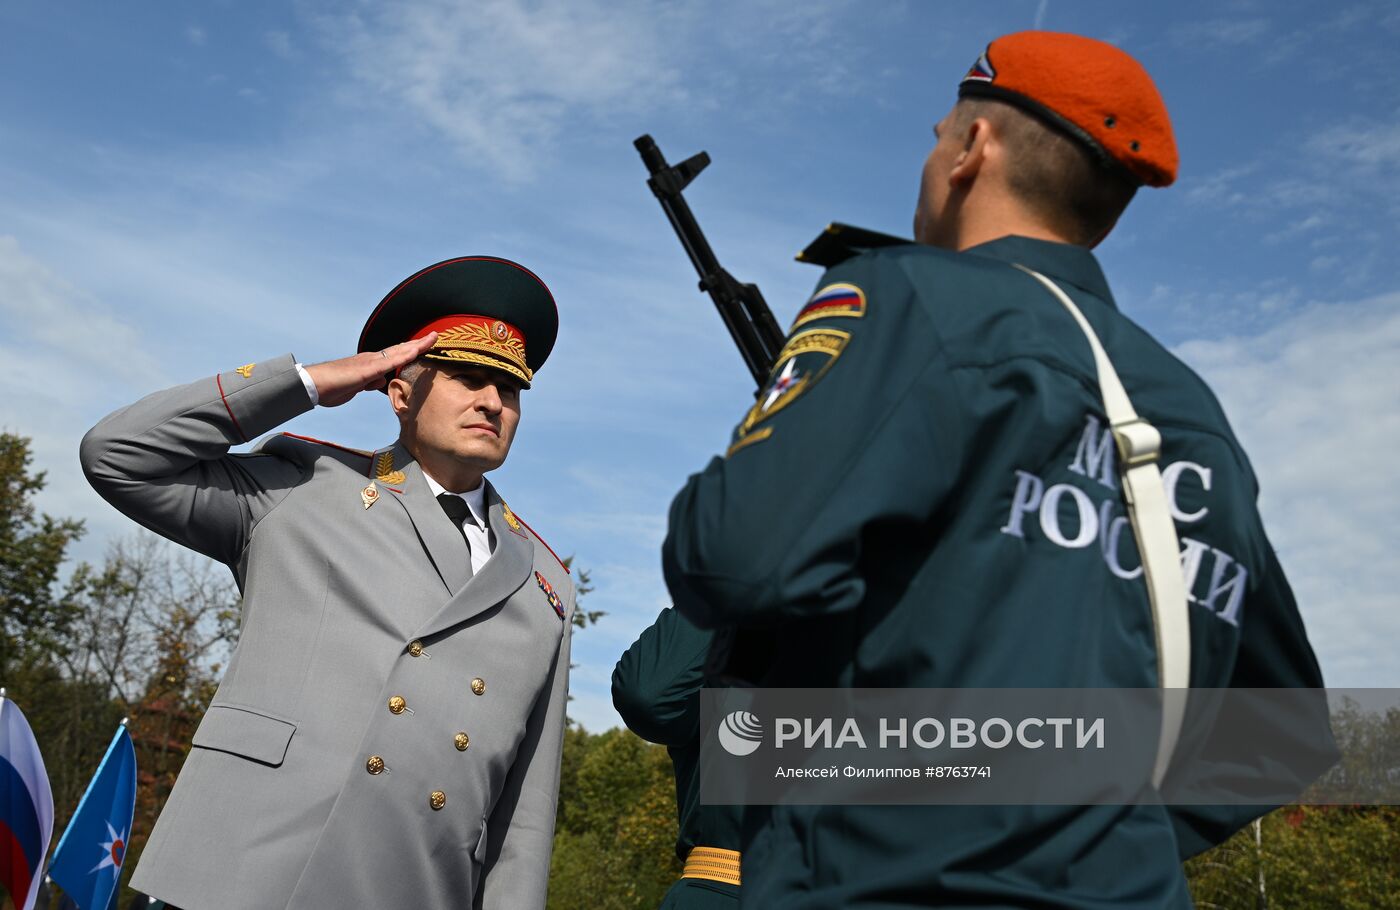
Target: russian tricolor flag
[{"x": 26, "y": 807}]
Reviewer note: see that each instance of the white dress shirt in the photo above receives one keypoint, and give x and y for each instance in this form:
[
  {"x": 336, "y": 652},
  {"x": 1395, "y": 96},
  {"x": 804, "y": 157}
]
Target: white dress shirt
[{"x": 474, "y": 525}]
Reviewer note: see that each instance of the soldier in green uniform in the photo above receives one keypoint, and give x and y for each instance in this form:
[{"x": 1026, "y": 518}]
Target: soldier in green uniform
[
  {"x": 656, "y": 688},
  {"x": 925, "y": 495}
]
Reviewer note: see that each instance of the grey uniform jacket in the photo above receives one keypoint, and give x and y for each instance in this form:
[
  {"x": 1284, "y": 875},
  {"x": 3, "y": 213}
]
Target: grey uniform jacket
[{"x": 345, "y": 608}]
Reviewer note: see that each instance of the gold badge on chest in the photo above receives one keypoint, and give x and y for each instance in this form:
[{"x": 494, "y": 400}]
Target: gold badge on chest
[{"x": 369, "y": 495}]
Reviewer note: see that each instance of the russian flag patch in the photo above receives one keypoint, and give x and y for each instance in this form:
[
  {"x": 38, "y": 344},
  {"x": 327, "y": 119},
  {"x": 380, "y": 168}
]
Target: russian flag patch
[{"x": 833, "y": 300}]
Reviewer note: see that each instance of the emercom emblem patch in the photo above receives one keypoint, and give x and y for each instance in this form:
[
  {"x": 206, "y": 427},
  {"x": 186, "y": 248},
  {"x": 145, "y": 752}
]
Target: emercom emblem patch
[{"x": 801, "y": 363}]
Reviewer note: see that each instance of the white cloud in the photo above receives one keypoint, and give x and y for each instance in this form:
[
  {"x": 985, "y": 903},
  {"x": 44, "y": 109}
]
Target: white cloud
[
  {"x": 196, "y": 36},
  {"x": 1344, "y": 164},
  {"x": 60, "y": 345},
  {"x": 1220, "y": 32},
  {"x": 506, "y": 81},
  {"x": 1313, "y": 401},
  {"x": 46, "y": 315},
  {"x": 1221, "y": 189},
  {"x": 1297, "y": 228},
  {"x": 499, "y": 78},
  {"x": 1367, "y": 145}
]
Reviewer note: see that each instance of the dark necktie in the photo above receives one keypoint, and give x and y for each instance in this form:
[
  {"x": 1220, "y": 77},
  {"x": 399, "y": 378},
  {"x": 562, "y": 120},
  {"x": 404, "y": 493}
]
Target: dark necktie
[{"x": 456, "y": 509}]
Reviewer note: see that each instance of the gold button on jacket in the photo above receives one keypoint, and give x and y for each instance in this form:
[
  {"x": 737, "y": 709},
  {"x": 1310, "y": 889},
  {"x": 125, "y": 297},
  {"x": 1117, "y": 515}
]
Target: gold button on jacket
[
  {"x": 397, "y": 704},
  {"x": 374, "y": 765},
  {"x": 478, "y": 686},
  {"x": 437, "y": 799},
  {"x": 415, "y": 648},
  {"x": 461, "y": 741}
]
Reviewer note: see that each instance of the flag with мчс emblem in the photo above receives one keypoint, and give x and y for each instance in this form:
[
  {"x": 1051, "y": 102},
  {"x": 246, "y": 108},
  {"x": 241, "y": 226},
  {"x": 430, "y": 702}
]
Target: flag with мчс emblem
[{"x": 88, "y": 860}]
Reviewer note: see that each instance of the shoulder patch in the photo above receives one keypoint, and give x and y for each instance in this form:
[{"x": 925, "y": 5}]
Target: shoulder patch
[
  {"x": 835, "y": 300},
  {"x": 800, "y": 364},
  {"x": 511, "y": 515},
  {"x": 803, "y": 360}
]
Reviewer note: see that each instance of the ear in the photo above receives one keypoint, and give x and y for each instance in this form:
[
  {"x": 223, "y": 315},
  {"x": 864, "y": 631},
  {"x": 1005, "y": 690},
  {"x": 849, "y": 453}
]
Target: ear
[
  {"x": 974, "y": 154},
  {"x": 400, "y": 391}
]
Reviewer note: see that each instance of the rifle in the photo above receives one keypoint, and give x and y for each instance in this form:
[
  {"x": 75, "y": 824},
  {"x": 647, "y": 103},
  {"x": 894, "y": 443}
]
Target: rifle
[
  {"x": 741, "y": 306},
  {"x": 737, "y": 656}
]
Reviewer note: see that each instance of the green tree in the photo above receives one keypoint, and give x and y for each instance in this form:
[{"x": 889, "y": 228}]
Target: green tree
[
  {"x": 33, "y": 617},
  {"x": 1340, "y": 857},
  {"x": 1332, "y": 855},
  {"x": 615, "y": 837}
]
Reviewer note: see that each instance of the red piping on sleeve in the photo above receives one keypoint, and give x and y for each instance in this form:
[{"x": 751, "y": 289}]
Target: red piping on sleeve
[{"x": 220, "y": 382}]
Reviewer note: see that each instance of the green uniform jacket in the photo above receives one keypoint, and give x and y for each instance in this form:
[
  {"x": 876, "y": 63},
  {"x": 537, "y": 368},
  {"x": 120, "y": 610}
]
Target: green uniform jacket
[
  {"x": 656, "y": 689},
  {"x": 925, "y": 496}
]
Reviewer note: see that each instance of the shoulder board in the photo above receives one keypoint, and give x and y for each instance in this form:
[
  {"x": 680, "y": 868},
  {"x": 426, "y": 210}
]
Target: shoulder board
[
  {"x": 546, "y": 545},
  {"x": 840, "y": 242},
  {"x": 321, "y": 442}
]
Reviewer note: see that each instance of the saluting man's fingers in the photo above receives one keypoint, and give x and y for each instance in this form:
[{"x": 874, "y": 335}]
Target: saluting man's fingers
[
  {"x": 337, "y": 381},
  {"x": 404, "y": 353},
  {"x": 393, "y": 358}
]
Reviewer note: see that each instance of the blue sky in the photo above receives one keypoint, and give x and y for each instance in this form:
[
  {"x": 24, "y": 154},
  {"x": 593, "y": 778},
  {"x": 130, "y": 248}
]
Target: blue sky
[{"x": 188, "y": 187}]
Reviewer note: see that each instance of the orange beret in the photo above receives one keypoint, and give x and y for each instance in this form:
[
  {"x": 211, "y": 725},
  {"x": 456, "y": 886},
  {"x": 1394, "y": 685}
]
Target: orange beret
[{"x": 1091, "y": 90}]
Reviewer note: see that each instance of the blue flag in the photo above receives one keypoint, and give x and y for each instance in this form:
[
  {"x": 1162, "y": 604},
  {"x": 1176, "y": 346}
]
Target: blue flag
[{"x": 89, "y": 857}]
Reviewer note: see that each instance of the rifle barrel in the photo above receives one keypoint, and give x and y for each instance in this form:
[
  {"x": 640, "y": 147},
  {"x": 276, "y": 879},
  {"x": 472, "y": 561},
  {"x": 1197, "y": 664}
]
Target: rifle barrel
[{"x": 741, "y": 307}]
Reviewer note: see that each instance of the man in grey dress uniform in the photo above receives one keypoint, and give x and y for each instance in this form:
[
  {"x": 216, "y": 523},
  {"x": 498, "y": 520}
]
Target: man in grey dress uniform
[{"x": 388, "y": 732}]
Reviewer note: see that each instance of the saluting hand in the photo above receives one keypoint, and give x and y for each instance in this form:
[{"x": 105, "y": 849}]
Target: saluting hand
[{"x": 338, "y": 381}]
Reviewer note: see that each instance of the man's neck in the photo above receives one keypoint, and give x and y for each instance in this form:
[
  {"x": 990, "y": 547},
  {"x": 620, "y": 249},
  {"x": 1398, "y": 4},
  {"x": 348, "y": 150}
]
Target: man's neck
[
  {"x": 990, "y": 213},
  {"x": 452, "y": 489},
  {"x": 977, "y": 231},
  {"x": 451, "y": 475}
]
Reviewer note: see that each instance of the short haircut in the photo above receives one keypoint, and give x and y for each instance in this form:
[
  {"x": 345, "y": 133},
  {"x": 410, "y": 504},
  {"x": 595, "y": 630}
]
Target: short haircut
[
  {"x": 409, "y": 373},
  {"x": 1053, "y": 174}
]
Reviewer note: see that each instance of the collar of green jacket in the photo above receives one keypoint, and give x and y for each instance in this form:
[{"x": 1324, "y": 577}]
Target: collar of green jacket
[{"x": 1062, "y": 261}]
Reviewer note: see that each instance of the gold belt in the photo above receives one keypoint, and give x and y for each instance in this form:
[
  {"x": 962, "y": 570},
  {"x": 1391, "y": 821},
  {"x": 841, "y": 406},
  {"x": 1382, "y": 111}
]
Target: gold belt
[{"x": 713, "y": 863}]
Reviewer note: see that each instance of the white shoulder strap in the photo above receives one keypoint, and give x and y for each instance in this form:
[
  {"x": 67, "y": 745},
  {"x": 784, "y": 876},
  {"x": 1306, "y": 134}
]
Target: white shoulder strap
[{"x": 1139, "y": 444}]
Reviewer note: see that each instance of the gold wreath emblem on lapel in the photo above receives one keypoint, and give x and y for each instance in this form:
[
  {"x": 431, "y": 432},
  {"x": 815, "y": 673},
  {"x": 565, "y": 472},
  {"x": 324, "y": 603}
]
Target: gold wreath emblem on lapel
[{"x": 384, "y": 470}]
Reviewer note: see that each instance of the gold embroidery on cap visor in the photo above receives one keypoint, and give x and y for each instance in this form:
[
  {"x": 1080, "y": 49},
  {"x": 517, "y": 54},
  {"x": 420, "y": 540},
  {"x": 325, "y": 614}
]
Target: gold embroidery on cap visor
[{"x": 492, "y": 346}]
